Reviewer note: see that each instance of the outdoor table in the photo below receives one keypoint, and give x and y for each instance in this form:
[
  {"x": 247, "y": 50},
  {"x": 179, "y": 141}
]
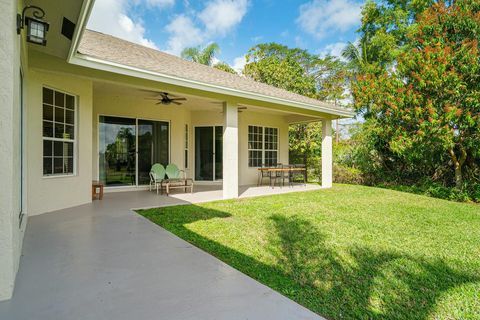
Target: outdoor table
[{"x": 274, "y": 170}]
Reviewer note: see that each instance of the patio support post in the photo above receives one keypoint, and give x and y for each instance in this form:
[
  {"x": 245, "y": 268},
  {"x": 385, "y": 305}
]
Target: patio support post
[
  {"x": 327, "y": 159},
  {"x": 230, "y": 150}
]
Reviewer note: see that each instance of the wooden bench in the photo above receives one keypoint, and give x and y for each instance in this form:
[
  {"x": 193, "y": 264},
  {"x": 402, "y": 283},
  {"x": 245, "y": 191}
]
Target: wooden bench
[{"x": 184, "y": 184}]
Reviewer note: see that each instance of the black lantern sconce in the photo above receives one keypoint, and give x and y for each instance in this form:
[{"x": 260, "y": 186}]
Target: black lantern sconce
[{"x": 36, "y": 27}]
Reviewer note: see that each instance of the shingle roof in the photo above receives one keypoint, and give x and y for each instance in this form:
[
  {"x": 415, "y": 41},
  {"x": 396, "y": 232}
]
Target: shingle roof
[{"x": 112, "y": 49}]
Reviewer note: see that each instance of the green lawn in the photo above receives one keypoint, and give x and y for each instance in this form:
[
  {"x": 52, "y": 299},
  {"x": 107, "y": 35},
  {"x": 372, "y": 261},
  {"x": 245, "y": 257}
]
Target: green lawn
[{"x": 350, "y": 252}]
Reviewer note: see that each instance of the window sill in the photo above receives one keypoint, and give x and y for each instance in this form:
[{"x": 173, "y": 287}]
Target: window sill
[{"x": 60, "y": 176}]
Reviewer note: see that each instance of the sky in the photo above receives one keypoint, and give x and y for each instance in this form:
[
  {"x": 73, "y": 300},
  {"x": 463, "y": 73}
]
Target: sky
[{"x": 320, "y": 26}]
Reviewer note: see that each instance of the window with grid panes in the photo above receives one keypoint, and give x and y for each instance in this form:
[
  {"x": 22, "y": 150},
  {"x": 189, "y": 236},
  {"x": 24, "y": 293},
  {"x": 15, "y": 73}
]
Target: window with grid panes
[
  {"x": 262, "y": 146},
  {"x": 270, "y": 146},
  {"x": 58, "y": 133}
]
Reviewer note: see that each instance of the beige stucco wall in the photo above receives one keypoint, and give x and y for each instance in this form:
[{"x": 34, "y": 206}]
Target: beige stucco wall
[
  {"x": 105, "y": 103},
  {"x": 12, "y": 59},
  {"x": 54, "y": 193},
  {"x": 134, "y": 107}
]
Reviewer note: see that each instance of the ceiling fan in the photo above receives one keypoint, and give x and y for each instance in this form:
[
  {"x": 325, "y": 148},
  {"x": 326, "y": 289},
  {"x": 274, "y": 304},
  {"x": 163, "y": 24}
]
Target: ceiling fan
[{"x": 166, "y": 99}]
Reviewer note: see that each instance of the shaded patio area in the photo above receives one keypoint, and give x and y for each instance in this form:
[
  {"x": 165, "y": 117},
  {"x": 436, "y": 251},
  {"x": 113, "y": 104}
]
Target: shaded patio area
[{"x": 103, "y": 261}]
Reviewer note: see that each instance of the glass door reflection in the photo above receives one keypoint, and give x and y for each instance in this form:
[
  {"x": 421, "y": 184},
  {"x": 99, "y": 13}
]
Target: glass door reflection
[
  {"x": 208, "y": 153},
  {"x": 153, "y": 146},
  {"x": 117, "y": 147}
]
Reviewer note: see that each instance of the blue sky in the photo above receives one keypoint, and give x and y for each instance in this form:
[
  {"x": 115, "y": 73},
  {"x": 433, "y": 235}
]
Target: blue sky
[{"x": 321, "y": 26}]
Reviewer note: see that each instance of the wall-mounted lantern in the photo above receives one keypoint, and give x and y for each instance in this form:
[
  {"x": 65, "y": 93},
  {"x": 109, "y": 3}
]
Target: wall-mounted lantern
[{"x": 36, "y": 27}]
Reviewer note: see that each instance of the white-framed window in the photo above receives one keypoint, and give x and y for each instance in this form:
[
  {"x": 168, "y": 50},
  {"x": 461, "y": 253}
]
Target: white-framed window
[
  {"x": 262, "y": 146},
  {"x": 186, "y": 146},
  {"x": 59, "y": 135}
]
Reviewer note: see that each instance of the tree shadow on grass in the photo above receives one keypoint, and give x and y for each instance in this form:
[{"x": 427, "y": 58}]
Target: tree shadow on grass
[
  {"x": 349, "y": 283},
  {"x": 359, "y": 283}
]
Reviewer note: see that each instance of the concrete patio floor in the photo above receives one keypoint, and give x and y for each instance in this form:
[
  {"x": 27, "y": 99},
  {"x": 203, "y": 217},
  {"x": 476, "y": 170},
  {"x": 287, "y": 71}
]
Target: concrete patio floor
[{"x": 103, "y": 261}]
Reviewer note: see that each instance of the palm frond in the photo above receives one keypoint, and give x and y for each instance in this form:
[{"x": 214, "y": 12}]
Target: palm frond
[{"x": 208, "y": 53}]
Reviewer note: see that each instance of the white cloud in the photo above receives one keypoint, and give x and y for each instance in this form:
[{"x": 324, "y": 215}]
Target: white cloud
[
  {"x": 321, "y": 17},
  {"x": 217, "y": 18},
  {"x": 333, "y": 49},
  {"x": 183, "y": 33},
  {"x": 215, "y": 60},
  {"x": 160, "y": 3},
  {"x": 110, "y": 16},
  {"x": 220, "y": 16},
  {"x": 192, "y": 28},
  {"x": 239, "y": 63}
]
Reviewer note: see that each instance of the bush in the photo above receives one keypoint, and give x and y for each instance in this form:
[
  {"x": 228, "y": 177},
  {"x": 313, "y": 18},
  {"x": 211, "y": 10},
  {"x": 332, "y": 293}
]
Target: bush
[
  {"x": 344, "y": 174},
  {"x": 436, "y": 190}
]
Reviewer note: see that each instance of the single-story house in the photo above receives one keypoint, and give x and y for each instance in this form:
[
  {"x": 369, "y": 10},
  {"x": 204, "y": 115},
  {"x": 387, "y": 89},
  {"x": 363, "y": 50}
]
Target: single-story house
[{"x": 78, "y": 105}]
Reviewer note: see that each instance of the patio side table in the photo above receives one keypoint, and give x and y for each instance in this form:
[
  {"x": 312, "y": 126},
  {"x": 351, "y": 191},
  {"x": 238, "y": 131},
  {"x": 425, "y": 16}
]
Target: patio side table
[{"x": 97, "y": 190}]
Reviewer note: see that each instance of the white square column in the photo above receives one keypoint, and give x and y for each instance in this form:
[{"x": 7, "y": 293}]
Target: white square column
[
  {"x": 327, "y": 157},
  {"x": 230, "y": 150}
]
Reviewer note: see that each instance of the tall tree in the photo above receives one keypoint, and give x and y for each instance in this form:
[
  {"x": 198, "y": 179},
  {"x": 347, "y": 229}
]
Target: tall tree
[
  {"x": 282, "y": 67},
  {"x": 357, "y": 56},
  {"x": 430, "y": 103},
  {"x": 383, "y": 32}
]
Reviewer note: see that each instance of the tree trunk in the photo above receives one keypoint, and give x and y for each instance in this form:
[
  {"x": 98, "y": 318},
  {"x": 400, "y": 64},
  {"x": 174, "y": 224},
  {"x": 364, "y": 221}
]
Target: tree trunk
[
  {"x": 458, "y": 166},
  {"x": 458, "y": 176}
]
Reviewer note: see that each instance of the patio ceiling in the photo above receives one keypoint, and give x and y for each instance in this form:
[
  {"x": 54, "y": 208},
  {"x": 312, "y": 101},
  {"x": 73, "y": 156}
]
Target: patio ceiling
[{"x": 193, "y": 102}]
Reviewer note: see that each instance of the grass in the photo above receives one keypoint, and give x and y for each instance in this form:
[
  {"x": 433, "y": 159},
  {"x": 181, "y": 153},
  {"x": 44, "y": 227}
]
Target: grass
[{"x": 350, "y": 252}]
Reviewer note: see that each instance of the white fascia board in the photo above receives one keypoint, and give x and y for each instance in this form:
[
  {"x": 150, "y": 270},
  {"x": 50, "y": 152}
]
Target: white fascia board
[{"x": 85, "y": 11}]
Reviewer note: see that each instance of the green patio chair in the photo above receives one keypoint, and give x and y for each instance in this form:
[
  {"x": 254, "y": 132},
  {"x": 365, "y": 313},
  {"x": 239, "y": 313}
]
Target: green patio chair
[
  {"x": 157, "y": 175},
  {"x": 177, "y": 178}
]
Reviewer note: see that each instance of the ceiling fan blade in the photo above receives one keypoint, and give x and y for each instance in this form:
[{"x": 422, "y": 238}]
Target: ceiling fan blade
[
  {"x": 175, "y": 102},
  {"x": 178, "y": 99}
]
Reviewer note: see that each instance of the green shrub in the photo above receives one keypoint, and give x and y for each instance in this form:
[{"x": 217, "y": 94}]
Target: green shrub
[{"x": 344, "y": 174}]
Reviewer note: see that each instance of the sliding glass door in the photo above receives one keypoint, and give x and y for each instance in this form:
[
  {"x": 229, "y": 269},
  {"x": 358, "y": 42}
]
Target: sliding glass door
[
  {"x": 117, "y": 149},
  {"x": 208, "y": 153},
  {"x": 152, "y": 147},
  {"x": 129, "y": 147}
]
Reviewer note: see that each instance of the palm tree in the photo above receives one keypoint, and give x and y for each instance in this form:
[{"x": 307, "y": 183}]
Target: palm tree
[
  {"x": 356, "y": 55},
  {"x": 204, "y": 55}
]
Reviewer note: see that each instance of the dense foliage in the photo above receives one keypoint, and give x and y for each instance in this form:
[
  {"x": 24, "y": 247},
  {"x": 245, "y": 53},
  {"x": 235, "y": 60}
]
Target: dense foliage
[{"x": 422, "y": 103}]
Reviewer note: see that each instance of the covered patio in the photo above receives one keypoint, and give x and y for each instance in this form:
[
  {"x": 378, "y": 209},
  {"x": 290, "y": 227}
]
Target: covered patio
[
  {"x": 103, "y": 261},
  {"x": 218, "y": 144}
]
